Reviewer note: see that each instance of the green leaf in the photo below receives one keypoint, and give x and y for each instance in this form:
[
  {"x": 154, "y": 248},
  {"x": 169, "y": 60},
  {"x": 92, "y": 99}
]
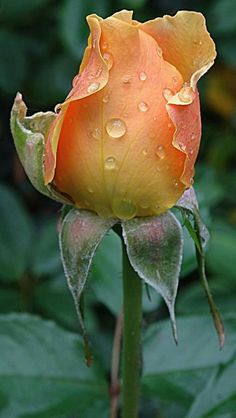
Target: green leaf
[
  {"x": 174, "y": 375},
  {"x": 42, "y": 373},
  {"x": 80, "y": 235},
  {"x": 154, "y": 247},
  {"x": 28, "y": 134},
  {"x": 196, "y": 350},
  {"x": 219, "y": 390},
  {"x": 15, "y": 236}
]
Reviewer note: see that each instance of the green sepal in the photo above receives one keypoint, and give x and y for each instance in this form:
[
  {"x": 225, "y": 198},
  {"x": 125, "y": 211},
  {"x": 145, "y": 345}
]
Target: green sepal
[
  {"x": 188, "y": 205},
  {"x": 81, "y": 233},
  {"x": 29, "y": 137},
  {"x": 155, "y": 247}
]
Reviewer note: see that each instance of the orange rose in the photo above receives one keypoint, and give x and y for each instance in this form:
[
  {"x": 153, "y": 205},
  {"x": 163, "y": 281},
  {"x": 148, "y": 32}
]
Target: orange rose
[{"x": 126, "y": 138}]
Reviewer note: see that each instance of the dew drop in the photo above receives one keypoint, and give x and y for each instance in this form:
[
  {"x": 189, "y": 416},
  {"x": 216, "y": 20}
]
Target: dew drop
[
  {"x": 185, "y": 95},
  {"x": 110, "y": 163},
  {"x": 142, "y": 76},
  {"x": 93, "y": 87},
  {"x": 144, "y": 151},
  {"x": 109, "y": 60},
  {"x": 167, "y": 93},
  {"x": 126, "y": 79},
  {"x": 161, "y": 152},
  {"x": 182, "y": 146},
  {"x": 193, "y": 137},
  {"x": 58, "y": 108},
  {"x": 96, "y": 134},
  {"x": 155, "y": 118},
  {"x": 124, "y": 208},
  {"x": 191, "y": 151},
  {"x": 75, "y": 80},
  {"x": 175, "y": 182},
  {"x": 116, "y": 128},
  {"x": 175, "y": 80},
  {"x": 143, "y": 107},
  {"x": 169, "y": 125},
  {"x": 104, "y": 45},
  {"x": 105, "y": 98},
  {"x": 159, "y": 51}
]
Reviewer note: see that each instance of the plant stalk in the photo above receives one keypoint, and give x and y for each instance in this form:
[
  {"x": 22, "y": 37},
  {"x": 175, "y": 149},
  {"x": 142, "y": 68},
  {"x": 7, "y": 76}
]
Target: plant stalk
[{"x": 132, "y": 317}]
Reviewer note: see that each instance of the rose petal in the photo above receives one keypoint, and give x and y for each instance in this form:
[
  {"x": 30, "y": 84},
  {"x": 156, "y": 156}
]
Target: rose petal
[
  {"x": 90, "y": 80},
  {"x": 140, "y": 105},
  {"x": 185, "y": 43}
]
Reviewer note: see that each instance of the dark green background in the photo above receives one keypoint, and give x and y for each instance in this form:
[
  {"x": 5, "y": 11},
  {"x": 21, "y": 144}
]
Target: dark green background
[{"x": 42, "y": 372}]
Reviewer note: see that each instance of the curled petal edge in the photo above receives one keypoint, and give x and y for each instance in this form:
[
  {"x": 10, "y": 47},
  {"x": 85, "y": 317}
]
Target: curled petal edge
[{"x": 92, "y": 77}]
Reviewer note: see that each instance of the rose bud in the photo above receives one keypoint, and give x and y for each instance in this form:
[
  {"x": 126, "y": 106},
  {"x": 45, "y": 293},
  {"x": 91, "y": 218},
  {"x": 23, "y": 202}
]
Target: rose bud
[{"x": 125, "y": 140}]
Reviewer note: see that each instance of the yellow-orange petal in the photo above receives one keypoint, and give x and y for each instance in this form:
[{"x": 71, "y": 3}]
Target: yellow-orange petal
[
  {"x": 135, "y": 171},
  {"x": 185, "y": 43},
  {"x": 90, "y": 80},
  {"x": 187, "y": 136}
]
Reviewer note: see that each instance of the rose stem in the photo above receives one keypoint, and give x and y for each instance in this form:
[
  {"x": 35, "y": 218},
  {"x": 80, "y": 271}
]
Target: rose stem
[
  {"x": 132, "y": 316},
  {"x": 115, "y": 362}
]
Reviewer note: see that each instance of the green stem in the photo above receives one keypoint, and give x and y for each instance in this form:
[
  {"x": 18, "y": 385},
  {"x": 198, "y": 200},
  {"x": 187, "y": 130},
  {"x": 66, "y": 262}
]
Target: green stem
[{"x": 132, "y": 317}]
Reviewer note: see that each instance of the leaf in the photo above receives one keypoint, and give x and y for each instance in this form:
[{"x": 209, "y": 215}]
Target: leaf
[
  {"x": 42, "y": 373},
  {"x": 197, "y": 348},
  {"x": 15, "y": 236},
  {"x": 219, "y": 390},
  {"x": 200, "y": 235},
  {"x": 29, "y": 136},
  {"x": 80, "y": 235},
  {"x": 174, "y": 375},
  {"x": 154, "y": 247}
]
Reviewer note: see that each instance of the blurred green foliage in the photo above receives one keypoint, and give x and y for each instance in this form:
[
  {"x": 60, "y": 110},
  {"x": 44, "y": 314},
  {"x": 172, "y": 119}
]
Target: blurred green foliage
[{"x": 42, "y": 374}]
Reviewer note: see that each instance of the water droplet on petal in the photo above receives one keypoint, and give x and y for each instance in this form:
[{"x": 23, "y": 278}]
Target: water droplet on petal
[
  {"x": 175, "y": 182},
  {"x": 182, "y": 146},
  {"x": 104, "y": 45},
  {"x": 169, "y": 125},
  {"x": 126, "y": 79},
  {"x": 193, "y": 137},
  {"x": 144, "y": 151},
  {"x": 58, "y": 108},
  {"x": 167, "y": 93},
  {"x": 105, "y": 98},
  {"x": 185, "y": 94},
  {"x": 159, "y": 51},
  {"x": 109, "y": 60},
  {"x": 124, "y": 208},
  {"x": 161, "y": 152},
  {"x": 116, "y": 128},
  {"x": 93, "y": 87},
  {"x": 175, "y": 80},
  {"x": 142, "y": 76},
  {"x": 110, "y": 163},
  {"x": 191, "y": 151},
  {"x": 96, "y": 134},
  {"x": 143, "y": 107}
]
